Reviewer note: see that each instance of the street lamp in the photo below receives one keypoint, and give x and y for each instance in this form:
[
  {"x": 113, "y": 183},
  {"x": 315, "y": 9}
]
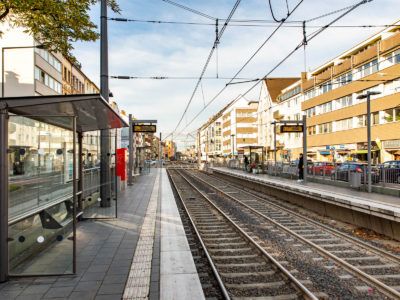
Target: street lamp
[
  {"x": 233, "y": 144},
  {"x": 2, "y": 60},
  {"x": 368, "y": 96}
]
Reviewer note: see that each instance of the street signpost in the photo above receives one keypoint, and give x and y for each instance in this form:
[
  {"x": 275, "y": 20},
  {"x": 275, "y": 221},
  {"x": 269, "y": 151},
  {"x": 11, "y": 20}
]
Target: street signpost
[
  {"x": 291, "y": 128},
  {"x": 144, "y": 128}
]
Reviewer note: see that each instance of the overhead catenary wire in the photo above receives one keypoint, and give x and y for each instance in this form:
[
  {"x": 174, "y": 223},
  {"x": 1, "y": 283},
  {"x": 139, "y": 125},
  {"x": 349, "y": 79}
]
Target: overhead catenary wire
[
  {"x": 221, "y": 32},
  {"x": 299, "y": 25},
  {"x": 241, "y": 69},
  {"x": 189, "y": 9},
  {"x": 309, "y": 38}
]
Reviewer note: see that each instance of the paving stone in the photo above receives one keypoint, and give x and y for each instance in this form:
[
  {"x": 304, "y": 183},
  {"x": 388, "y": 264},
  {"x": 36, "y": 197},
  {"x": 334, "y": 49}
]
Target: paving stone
[
  {"x": 111, "y": 288},
  {"x": 59, "y": 292},
  {"x": 87, "y": 286},
  {"x": 36, "y": 289}
]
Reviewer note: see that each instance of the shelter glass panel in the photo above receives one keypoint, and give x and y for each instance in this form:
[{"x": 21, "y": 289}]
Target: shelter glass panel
[
  {"x": 99, "y": 199},
  {"x": 41, "y": 214}
]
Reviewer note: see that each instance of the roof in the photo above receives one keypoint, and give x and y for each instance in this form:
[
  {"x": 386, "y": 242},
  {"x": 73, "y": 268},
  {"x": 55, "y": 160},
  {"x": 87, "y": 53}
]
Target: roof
[
  {"x": 91, "y": 110},
  {"x": 276, "y": 85}
]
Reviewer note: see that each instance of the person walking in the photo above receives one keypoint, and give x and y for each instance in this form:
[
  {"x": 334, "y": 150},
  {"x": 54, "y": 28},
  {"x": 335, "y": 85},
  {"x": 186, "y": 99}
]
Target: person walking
[
  {"x": 301, "y": 168},
  {"x": 246, "y": 162}
]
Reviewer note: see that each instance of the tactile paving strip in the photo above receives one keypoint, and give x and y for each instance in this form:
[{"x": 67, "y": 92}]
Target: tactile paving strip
[{"x": 138, "y": 283}]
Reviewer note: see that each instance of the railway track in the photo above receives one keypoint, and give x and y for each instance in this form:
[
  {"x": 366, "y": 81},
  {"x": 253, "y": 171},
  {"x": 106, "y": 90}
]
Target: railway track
[
  {"x": 244, "y": 270},
  {"x": 378, "y": 269}
]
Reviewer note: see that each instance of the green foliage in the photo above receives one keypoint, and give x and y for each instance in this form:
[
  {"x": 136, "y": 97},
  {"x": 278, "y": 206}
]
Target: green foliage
[
  {"x": 13, "y": 188},
  {"x": 55, "y": 23}
]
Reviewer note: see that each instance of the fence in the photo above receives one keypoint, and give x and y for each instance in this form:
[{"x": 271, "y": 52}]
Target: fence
[{"x": 348, "y": 174}]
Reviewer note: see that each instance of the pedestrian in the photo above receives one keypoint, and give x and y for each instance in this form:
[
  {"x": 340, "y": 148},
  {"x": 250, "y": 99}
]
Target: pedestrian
[
  {"x": 301, "y": 168},
  {"x": 246, "y": 162}
]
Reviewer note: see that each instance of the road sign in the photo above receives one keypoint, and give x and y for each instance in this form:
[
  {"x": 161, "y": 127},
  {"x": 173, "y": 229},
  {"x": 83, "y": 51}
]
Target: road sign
[
  {"x": 144, "y": 128},
  {"x": 291, "y": 128}
]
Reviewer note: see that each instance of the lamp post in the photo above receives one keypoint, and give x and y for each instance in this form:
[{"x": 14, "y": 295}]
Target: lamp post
[
  {"x": 233, "y": 144},
  {"x": 368, "y": 96},
  {"x": 2, "y": 60}
]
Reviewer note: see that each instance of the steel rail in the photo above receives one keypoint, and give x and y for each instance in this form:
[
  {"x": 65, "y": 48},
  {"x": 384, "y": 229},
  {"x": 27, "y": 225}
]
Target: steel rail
[
  {"x": 306, "y": 293},
  {"x": 334, "y": 231},
  {"x": 214, "y": 269},
  {"x": 370, "y": 279}
]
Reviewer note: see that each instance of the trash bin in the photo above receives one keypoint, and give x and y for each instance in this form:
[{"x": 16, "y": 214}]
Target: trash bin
[{"x": 355, "y": 180}]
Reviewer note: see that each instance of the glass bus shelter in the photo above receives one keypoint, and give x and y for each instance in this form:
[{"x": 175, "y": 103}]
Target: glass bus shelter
[{"x": 43, "y": 183}]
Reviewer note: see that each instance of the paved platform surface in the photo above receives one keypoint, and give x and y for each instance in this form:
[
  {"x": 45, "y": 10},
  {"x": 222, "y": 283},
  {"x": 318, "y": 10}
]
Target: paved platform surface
[
  {"x": 106, "y": 251},
  {"x": 369, "y": 202}
]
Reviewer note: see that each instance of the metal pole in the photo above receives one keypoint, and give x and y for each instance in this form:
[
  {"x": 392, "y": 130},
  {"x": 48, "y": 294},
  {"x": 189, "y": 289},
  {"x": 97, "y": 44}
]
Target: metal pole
[
  {"x": 74, "y": 192},
  {"x": 2, "y": 72},
  {"x": 369, "y": 140},
  {"x": 274, "y": 146},
  {"x": 160, "y": 150},
  {"x": 3, "y": 193},
  {"x": 105, "y": 172},
  {"x": 305, "y": 148},
  {"x": 130, "y": 163},
  {"x": 80, "y": 170}
]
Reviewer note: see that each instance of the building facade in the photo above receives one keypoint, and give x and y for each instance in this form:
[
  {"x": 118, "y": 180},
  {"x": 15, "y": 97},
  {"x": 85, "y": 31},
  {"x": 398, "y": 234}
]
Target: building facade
[{"x": 336, "y": 116}]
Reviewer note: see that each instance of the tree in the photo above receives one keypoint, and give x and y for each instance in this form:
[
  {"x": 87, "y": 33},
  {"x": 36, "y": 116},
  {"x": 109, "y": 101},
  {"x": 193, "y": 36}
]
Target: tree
[{"x": 55, "y": 23}]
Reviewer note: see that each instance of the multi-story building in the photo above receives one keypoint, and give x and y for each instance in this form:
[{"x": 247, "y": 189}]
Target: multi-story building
[
  {"x": 239, "y": 126},
  {"x": 280, "y": 98},
  {"x": 233, "y": 127},
  {"x": 336, "y": 116},
  {"x": 169, "y": 150},
  {"x": 28, "y": 70}
]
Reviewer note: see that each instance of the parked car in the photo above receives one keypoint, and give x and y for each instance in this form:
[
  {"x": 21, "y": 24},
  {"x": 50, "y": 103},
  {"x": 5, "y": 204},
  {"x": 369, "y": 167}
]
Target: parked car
[
  {"x": 318, "y": 168},
  {"x": 342, "y": 172},
  {"x": 389, "y": 171}
]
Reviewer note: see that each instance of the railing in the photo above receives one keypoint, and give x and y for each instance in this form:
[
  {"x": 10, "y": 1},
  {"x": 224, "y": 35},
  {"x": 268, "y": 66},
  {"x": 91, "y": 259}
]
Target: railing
[{"x": 351, "y": 174}]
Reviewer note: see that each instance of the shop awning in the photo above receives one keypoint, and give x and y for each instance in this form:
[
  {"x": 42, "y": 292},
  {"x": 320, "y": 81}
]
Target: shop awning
[
  {"x": 324, "y": 152},
  {"x": 363, "y": 151},
  {"x": 91, "y": 110}
]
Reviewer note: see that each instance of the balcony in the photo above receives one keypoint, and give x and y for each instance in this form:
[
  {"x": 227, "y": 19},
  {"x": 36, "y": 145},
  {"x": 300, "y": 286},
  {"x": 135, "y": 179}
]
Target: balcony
[
  {"x": 344, "y": 66},
  {"x": 325, "y": 75},
  {"x": 365, "y": 55},
  {"x": 390, "y": 42},
  {"x": 307, "y": 84}
]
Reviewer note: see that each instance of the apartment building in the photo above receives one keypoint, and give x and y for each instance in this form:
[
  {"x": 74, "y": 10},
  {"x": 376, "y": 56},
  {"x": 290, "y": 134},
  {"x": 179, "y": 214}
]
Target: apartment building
[
  {"x": 280, "y": 99},
  {"x": 233, "y": 127},
  {"x": 336, "y": 117},
  {"x": 27, "y": 70}
]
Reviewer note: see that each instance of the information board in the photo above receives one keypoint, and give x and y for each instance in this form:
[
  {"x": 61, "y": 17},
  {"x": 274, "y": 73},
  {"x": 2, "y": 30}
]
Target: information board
[
  {"x": 144, "y": 128},
  {"x": 291, "y": 128}
]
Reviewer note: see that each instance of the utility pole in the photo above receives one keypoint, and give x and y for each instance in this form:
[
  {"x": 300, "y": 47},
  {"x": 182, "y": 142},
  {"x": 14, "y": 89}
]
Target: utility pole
[
  {"x": 160, "y": 152},
  {"x": 105, "y": 172}
]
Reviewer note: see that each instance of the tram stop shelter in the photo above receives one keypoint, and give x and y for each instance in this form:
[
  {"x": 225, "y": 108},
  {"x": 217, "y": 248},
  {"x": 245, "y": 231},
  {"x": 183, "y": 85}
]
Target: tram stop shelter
[
  {"x": 255, "y": 153},
  {"x": 41, "y": 178}
]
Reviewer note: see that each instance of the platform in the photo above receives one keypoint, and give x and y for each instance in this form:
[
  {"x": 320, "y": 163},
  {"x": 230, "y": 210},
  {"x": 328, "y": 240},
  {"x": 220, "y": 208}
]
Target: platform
[
  {"x": 143, "y": 254},
  {"x": 382, "y": 212}
]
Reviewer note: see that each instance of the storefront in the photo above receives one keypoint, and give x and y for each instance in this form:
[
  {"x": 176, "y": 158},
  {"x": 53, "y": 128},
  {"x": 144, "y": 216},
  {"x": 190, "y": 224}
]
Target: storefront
[
  {"x": 361, "y": 154},
  {"x": 391, "y": 149},
  {"x": 42, "y": 180}
]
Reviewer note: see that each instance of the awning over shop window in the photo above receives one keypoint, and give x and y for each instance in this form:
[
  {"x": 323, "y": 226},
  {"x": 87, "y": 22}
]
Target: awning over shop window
[
  {"x": 91, "y": 110},
  {"x": 324, "y": 152},
  {"x": 363, "y": 151}
]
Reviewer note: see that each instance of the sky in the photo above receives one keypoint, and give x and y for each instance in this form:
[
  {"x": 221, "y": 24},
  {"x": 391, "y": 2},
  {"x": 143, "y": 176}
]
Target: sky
[{"x": 176, "y": 50}]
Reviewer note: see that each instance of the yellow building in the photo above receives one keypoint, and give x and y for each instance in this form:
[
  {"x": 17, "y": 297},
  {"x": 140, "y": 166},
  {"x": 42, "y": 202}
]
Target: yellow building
[{"x": 336, "y": 117}]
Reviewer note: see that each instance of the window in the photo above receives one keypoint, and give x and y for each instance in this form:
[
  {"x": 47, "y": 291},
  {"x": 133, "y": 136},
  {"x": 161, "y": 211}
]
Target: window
[
  {"x": 65, "y": 73},
  {"x": 344, "y": 124},
  {"x": 375, "y": 118},
  {"x": 326, "y": 107},
  {"x": 311, "y": 130},
  {"x": 54, "y": 62},
  {"x": 310, "y": 112},
  {"x": 368, "y": 68},
  {"x": 69, "y": 76},
  {"x": 344, "y": 79},
  {"x": 388, "y": 115},
  {"x": 362, "y": 121},
  {"x": 309, "y": 94},
  {"x": 344, "y": 102},
  {"x": 326, "y": 87},
  {"x": 325, "y": 128},
  {"x": 392, "y": 86},
  {"x": 393, "y": 57},
  {"x": 48, "y": 80}
]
